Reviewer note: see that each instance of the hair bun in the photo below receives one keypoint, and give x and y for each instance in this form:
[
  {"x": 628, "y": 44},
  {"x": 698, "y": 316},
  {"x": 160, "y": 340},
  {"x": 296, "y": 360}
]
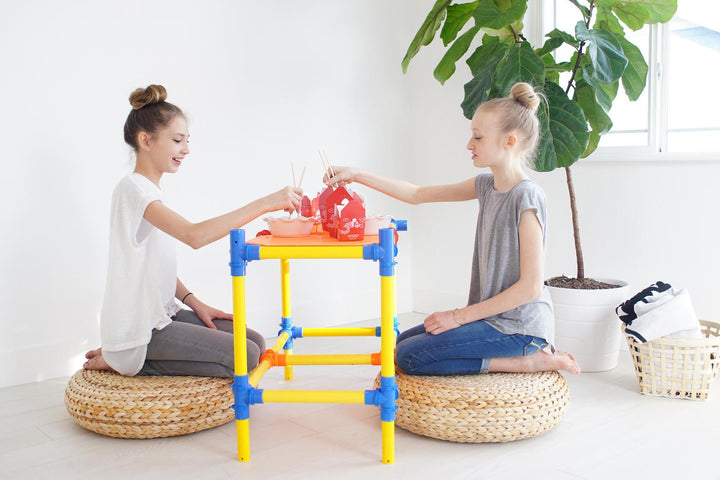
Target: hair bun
[
  {"x": 525, "y": 94},
  {"x": 147, "y": 96}
]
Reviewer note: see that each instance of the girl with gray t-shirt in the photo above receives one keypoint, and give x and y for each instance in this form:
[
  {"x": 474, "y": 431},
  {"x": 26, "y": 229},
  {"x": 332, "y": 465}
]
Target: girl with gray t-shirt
[{"x": 508, "y": 323}]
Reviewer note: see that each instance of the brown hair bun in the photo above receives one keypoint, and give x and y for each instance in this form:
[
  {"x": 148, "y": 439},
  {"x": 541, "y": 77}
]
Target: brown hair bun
[
  {"x": 147, "y": 96},
  {"x": 524, "y": 94}
]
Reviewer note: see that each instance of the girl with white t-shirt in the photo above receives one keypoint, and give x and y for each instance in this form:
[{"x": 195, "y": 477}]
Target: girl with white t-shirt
[
  {"x": 144, "y": 330},
  {"x": 508, "y": 322}
]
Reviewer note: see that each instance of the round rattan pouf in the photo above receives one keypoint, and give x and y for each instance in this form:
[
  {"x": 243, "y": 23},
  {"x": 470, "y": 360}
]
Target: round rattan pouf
[
  {"x": 148, "y": 407},
  {"x": 496, "y": 407}
]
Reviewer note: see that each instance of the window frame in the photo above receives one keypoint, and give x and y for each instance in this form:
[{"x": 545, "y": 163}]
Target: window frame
[{"x": 541, "y": 17}]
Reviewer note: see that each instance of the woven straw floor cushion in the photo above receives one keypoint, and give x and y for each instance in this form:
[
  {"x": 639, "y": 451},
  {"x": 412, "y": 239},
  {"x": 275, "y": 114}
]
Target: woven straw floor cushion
[
  {"x": 496, "y": 407},
  {"x": 148, "y": 407}
]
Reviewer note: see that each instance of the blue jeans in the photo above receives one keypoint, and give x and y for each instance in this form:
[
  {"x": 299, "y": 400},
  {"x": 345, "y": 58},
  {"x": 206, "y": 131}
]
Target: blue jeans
[{"x": 461, "y": 351}]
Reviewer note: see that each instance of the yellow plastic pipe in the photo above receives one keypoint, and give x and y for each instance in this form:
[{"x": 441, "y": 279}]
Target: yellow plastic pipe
[
  {"x": 257, "y": 373},
  {"x": 348, "y": 359},
  {"x": 286, "y": 311},
  {"x": 387, "y": 327},
  {"x": 313, "y": 396},
  {"x": 285, "y": 252},
  {"x": 240, "y": 356},
  {"x": 281, "y": 340},
  {"x": 265, "y": 364},
  {"x": 243, "y": 435},
  {"x": 388, "y": 442},
  {"x": 239, "y": 325},
  {"x": 339, "y": 332},
  {"x": 387, "y": 354}
]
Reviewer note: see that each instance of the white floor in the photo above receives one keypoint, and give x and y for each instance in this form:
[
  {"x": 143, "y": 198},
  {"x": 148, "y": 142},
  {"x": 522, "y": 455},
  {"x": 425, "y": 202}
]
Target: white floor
[{"x": 610, "y": 431}]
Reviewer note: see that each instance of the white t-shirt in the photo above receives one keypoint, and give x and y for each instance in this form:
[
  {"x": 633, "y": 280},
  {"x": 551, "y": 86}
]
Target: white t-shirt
[{"x": 142, "y": 274}]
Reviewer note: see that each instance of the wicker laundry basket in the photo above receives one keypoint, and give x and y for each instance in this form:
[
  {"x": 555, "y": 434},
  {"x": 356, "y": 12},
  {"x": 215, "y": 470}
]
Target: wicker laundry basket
[
  {"x": 147, "y": 407},
  {"x": 677, "y": 368},
  {"x": 496, "y": 407}
]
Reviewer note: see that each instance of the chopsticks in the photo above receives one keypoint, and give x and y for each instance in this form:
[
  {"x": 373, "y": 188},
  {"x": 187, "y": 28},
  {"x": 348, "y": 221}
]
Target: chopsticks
[
  {"x": 302, "y": 175},
  {"x": 325, "y": 162},
  {"x": 299, "y": 184}
]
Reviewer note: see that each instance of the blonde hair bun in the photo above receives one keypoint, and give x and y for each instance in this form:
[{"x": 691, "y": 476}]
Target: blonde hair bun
[
  {"x": 146, "y": 96},
  {"x": 525, "y": 94}
]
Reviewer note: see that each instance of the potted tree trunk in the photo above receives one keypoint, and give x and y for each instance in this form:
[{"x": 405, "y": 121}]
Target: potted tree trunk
[{"x": 580, "y": 90}]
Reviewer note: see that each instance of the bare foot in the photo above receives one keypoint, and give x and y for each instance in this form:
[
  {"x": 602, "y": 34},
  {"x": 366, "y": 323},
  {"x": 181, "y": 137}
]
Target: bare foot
[
  {"x": 537, "y": 362},
  {"x": 93, "y": 353},
  {"x": 560, "y": 361},
  {"x": 96, "y": 361}
]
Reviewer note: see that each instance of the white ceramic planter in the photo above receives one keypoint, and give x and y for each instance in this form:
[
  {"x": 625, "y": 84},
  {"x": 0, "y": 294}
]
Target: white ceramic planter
[{"x": 586, "y": 324}]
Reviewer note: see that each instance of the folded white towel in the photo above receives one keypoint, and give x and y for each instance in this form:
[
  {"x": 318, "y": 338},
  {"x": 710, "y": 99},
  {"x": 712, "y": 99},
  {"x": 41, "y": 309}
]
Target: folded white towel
[{"x": 660, "y": 311}]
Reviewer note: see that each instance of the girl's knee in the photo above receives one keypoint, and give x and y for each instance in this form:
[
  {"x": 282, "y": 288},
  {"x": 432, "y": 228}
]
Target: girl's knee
[
  {"x": 253, "y": 355},
  {"x": 404, "y": 359}
]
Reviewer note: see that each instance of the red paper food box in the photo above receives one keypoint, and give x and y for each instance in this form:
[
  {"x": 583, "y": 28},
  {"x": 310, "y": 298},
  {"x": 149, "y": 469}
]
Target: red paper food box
[
  {"x": 332, "y": 223},
  {"x": 306, "y": 207},
  {"x": 323, "y": 207},
  {"x": 351, "y": 222},
  {"x": 356, "y": 196},
  {"x": 316, "y": 205},
  {"x": 335, "y": 198}
]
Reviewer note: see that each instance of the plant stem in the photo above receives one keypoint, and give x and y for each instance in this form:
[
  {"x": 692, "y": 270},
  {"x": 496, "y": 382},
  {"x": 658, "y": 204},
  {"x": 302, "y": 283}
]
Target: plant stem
[
  {"x": 568, "y": 175},
  {"x": 576, "y": 226}
]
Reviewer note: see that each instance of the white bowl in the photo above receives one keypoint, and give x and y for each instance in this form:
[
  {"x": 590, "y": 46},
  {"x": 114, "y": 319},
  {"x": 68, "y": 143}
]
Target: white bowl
[
  {"x": 375, "y": 223},
  {"x": 294, "y": 227}
]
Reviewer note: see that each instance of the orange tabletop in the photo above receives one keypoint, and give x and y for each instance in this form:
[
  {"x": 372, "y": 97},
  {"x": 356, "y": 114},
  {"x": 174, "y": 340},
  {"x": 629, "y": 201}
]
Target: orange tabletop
[{"x": 313, "y": 240}]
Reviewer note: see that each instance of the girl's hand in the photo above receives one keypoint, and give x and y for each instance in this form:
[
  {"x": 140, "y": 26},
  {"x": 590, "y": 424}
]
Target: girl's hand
[
  {"x": 287, "y": 199},
  {"x": 343, "y": 176},
  {"x": 207, "y": 314},
  {"x": 440, "y": 322}
]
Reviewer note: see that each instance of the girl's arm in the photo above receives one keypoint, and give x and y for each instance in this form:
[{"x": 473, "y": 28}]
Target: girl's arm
[
  {"x": 527, "y": 288},
  {"x": 197, "y": 235},
  {"x": 402, "y": 190},
  {"x": 204, "y": 312}
]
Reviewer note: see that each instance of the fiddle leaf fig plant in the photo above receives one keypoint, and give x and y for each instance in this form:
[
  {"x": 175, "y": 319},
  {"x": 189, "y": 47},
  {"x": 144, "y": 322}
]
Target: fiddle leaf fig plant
[{"x": 579, "y": 83}]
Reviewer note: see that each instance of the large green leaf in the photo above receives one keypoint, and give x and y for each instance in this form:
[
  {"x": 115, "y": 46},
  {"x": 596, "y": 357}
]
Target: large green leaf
[
  {"x": 593, "y": 142},
  {"x": 595, "y": 114},
  {"x": 564, "y": 36},
  {"x": 635, "y": 75},
  {"x": 427, "y": 31},
  {"x": 606, "y": 20},
  {"x": 521, "y": 64},
  {"x": 633, "y": 14},
  {"x": 508, "y": 32},
  {"x": 483, "y": 63},
  {"x": 605, "y": 53},
  {"x": 497, "y": 14},
  {"x": 549, "y": 46},
  {"x": 564, "y": 133},
  {"x": 446, "y": 67},
  {"x": 457, "y": 17},
  {"x": 636, "y": 13},
  {"x": 661, "y": 11},
  {"x": 604, "y": 93}
]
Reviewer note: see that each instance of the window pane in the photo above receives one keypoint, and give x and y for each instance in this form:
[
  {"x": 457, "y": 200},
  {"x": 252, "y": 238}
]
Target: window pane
[
  {"x": 630, "y": 119},
  {"x": 693, "y": 66}
]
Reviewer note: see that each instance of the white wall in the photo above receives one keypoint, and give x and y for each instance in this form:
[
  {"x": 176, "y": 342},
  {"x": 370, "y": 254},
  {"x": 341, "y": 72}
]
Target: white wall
[{"x": 262, "y": 83}]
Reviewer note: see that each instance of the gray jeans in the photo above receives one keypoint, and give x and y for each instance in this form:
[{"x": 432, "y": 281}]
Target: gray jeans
[{"x": 188, "y": 347}]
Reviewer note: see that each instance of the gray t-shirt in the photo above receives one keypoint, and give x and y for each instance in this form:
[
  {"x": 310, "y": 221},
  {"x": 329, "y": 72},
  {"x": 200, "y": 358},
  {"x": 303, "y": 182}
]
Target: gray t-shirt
[{"x": 496, "y": 258}]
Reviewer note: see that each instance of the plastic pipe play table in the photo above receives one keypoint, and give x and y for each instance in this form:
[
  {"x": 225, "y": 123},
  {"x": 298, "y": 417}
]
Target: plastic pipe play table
[{"x": 379, "y": 248}]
